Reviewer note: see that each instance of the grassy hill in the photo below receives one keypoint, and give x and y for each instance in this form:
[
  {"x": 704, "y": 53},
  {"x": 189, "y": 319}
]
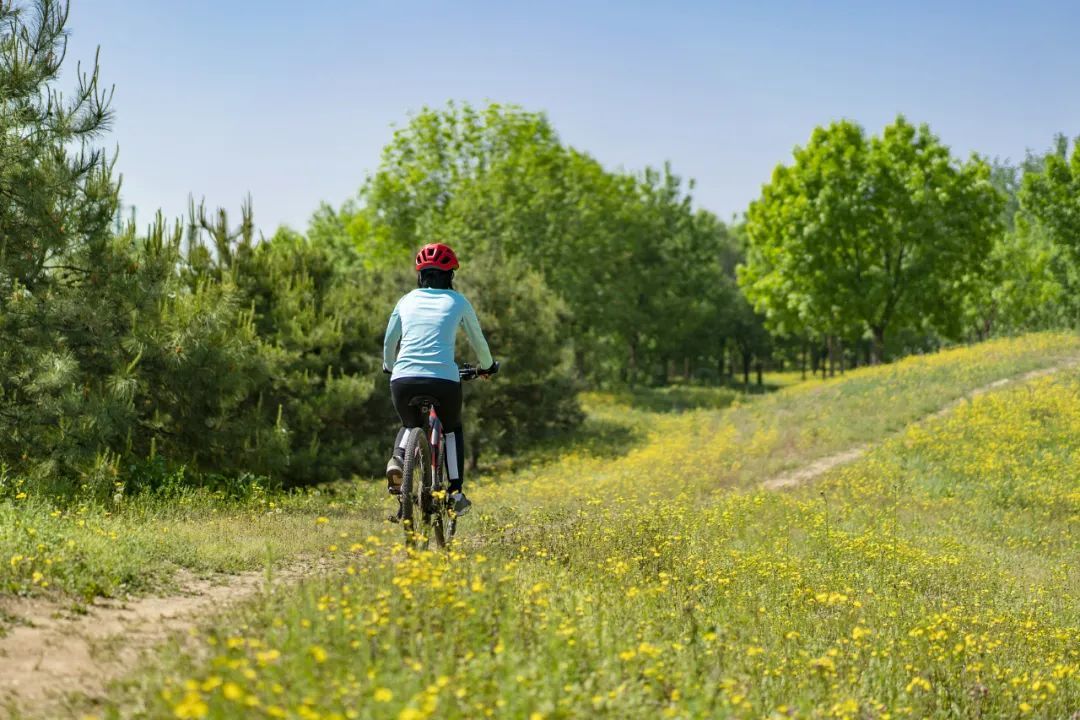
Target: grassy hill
[{"x": 646, "y": 572}]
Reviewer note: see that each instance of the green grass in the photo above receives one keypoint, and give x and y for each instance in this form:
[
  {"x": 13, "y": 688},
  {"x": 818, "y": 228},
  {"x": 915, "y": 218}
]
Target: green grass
[
  {"x": 757, "y": 438},
  {"x": 931, "y": 579},
  {"x": 87, "y": 551}
]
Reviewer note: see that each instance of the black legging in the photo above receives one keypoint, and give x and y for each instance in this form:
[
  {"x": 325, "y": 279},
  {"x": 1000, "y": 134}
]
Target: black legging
[{"x": 447, "y": 395}]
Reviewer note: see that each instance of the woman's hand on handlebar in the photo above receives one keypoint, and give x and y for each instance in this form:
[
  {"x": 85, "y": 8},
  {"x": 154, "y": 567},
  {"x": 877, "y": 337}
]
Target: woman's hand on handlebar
[{"x": 470, "y": 372}]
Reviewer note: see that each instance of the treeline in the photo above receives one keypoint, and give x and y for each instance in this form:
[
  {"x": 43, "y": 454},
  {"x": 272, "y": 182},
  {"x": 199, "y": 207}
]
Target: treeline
[{"x": 198, "y": 353}]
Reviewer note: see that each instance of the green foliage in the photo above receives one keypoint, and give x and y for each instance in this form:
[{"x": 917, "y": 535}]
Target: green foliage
[
  {"x": 870, "y": 234},
  {"x": 321, "y": 318},
  {"x": 1026, "y": 279},
  {"x": 319, "y": 314},
  {"x": 318, "y": 318},
  {"x": 1050, "y": 199},
  {"x": 106, "y": 352},
  {"x": 523, "y": 321},
  {"x": 54, "y": 247},
  {"x": 1022, "y": 288},
  {"x": 646, "y": 280},
  {"x": 429, "y": 160}
]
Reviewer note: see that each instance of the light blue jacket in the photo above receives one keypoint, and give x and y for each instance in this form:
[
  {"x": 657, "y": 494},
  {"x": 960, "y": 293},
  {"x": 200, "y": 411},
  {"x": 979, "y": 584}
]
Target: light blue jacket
[{"x": 426, "y": 322}]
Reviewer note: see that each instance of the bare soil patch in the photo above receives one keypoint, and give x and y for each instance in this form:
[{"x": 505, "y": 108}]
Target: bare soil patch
[{"x": 57, "y": 649}]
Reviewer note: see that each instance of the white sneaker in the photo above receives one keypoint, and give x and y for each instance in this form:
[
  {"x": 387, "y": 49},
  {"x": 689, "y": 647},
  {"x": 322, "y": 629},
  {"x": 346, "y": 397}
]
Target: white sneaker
[{"x": 394, "y": 475}]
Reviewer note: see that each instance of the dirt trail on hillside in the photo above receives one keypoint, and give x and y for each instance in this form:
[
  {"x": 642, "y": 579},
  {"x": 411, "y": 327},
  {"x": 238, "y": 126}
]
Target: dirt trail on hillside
[
  {"x": 54, "y": 651},
  {"x": 819, "y": 467}
]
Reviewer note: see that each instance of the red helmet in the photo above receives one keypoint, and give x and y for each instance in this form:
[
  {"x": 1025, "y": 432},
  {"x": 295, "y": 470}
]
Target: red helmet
[{"x": 436, "y": 255}]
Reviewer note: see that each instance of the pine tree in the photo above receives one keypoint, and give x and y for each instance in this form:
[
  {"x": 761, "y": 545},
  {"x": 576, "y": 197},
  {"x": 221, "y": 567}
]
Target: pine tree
[
  {"x": 318, "y": 319},
  {"x": 110, "y": 357},
  {"x": 57, "y": 202}
]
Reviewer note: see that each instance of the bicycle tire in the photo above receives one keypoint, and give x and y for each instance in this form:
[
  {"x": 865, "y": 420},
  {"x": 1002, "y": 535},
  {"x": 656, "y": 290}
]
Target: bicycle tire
[
  {"x": 441, "y": 524},
  {"x": 416, "y": 472}
]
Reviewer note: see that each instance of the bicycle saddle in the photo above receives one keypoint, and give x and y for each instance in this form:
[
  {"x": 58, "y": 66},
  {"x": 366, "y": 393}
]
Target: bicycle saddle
[{"x": 424, "y": 401}]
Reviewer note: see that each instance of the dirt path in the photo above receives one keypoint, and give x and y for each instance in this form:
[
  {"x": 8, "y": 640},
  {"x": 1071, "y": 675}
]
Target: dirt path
[
  {"x": 54, "y": 651},
  {"x": 819, "y": 467}
]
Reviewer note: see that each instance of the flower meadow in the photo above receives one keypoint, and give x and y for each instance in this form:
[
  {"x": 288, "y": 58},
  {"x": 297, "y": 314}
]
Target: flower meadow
[{"x": 934, "y": 577}]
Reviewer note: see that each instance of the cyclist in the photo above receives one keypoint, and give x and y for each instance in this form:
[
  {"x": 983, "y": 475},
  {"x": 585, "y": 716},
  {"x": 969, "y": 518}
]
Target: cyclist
[{"x": 425, "y": 321}]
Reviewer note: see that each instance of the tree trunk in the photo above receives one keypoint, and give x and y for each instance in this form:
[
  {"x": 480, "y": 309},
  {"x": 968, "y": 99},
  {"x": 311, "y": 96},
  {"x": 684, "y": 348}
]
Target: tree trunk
[
  {"x": 746, "y": 357},
  {"x": 760, "y": 379},
  {"x": 579, "y": 361},
  {"x": 878, "y": 349},
  {"x": 841, "y": 352},
  {"x": 831, "y": 350},
  {"x": 803, "y": 361}
]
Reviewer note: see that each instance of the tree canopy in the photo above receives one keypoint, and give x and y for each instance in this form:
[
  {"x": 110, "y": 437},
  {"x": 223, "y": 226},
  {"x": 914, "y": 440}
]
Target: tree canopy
[
  {"x": 1050, "y": 201},
  {"x": 638, "y": 267},
  {"x": 870, "y": 234}
]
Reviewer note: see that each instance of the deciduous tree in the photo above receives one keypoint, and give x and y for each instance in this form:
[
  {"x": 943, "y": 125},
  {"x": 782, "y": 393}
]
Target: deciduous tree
[{"x": 870, "y": 234}]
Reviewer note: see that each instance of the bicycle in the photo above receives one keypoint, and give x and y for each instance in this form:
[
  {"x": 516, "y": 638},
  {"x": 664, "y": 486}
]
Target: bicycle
[{"x": 423, "y": 485}]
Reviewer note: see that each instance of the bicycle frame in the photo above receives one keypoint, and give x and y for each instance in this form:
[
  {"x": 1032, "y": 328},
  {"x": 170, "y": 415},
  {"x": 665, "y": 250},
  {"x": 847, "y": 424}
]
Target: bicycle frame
[{"x": 427, "y": 493}]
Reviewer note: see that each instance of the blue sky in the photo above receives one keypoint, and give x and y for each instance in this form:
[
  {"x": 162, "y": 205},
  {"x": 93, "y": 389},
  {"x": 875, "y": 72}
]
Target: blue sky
[{"x": 293, "y": 101}]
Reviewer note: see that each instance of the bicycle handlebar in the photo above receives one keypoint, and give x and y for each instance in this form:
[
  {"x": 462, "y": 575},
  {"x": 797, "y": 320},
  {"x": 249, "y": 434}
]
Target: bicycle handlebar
[{"x": 471, "y": 372}]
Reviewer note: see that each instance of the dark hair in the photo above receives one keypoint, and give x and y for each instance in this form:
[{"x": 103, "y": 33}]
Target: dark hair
[{"x": 435, "y": 278}]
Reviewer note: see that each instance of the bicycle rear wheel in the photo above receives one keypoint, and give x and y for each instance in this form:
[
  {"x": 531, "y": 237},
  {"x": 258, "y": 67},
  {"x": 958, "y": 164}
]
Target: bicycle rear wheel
[{"x": 416, "y": 476}]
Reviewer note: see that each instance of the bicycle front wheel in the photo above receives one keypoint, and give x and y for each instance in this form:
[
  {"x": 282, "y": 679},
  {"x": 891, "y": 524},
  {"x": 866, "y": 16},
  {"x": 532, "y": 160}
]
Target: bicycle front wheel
[
  {"x": 416, "y": 476},
  {"x": 442, "y": 525}
]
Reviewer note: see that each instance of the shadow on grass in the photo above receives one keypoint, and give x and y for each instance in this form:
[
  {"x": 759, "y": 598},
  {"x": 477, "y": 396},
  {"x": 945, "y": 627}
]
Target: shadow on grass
[
  {"x": 680, "y": 398},
  {"x": 617, "y": 422},
  {"x": 599, "y": 437},
  {"x": 595, "y": 437}
]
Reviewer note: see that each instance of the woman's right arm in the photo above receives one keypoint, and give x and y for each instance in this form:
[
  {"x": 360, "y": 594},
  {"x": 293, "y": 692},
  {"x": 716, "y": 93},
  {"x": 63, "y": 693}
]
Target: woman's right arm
[{"x": 476, "y": 336}]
